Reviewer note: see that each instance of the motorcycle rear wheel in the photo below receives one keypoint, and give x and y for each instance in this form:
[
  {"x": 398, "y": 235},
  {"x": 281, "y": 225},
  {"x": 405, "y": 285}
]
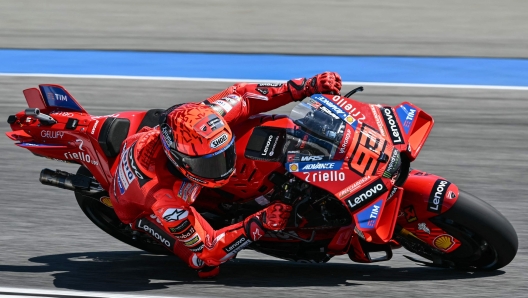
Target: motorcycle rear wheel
[
  {"x": 105, "y": 218},
  {"x": 488, "y": 239}
]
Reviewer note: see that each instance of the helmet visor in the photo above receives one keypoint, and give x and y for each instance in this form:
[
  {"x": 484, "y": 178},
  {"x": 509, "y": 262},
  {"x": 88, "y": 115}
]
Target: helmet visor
[{"x": 216, "y": 165}]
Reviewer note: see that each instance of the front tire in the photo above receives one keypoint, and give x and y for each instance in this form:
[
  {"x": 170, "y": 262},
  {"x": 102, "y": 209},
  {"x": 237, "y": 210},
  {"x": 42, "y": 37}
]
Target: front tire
[{"x": 488, "y": 240}]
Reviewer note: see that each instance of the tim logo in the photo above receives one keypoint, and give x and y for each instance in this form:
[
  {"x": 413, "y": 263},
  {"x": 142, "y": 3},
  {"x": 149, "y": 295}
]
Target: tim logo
[{"x": 61, "y": 97}]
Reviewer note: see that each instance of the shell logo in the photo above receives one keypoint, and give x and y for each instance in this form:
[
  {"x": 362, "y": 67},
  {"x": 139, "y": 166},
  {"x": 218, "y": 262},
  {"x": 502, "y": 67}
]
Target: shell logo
[
  {"x": 349, "y": 119},
  {"x": 444, "y": 242},
  {"x": 294, "y": 167},
  {"x": 106, "y": 201}
]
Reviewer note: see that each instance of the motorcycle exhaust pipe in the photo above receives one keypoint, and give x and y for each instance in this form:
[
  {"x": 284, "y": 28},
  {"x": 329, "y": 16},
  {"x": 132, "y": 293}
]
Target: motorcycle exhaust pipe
[
  {"x": 43, "y": 118},
  {"x": 65, "y": 180}
]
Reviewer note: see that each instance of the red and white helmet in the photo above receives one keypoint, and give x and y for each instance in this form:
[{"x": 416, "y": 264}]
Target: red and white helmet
[{"x": 198, "y": 141}]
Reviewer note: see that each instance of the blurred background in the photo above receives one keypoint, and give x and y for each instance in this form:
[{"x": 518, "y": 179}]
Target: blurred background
[{"x": 469, "y": 58}]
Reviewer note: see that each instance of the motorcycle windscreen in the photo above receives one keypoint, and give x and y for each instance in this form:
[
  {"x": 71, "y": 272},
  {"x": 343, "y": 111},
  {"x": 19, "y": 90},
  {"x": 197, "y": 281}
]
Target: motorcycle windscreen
[{"x": 318, "y": 121}]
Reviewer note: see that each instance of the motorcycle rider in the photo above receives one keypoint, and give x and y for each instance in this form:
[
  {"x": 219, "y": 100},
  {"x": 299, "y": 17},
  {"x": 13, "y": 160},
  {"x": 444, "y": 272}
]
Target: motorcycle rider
[{"x": 162, "y": 170}]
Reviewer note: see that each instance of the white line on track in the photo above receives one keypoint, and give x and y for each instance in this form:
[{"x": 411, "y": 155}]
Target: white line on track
[
  {"x": 25, "y": 293},
  {"x": 184, "y": 79}
]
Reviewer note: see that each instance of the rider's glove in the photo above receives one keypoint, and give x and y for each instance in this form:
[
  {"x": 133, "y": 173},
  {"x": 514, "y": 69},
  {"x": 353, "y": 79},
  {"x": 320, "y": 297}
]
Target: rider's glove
[
  {"x": 274, "y": 218},
  {"x": 325, "y": 83}
]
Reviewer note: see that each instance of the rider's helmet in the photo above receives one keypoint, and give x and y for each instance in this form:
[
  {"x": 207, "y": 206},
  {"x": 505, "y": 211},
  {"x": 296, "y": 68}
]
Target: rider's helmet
[{"x": 198, "y": 141}]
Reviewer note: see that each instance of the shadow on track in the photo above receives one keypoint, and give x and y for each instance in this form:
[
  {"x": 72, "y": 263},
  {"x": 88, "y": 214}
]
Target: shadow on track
[{"x": 138, "y": 271}]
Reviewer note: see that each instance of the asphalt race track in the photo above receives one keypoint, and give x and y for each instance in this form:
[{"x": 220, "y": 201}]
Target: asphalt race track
[{"x": 479, "y": 143}]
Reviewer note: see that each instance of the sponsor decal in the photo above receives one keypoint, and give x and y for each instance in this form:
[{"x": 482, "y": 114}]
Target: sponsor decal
[
  {"x": 122, "y": 188},
  {"x": 267, "y": 145},
  {"x": 410, "y": 214},
  {"x": 359, "y": 233},
  {"x": 198, "y": 248},
  {"x": 378, "y": 120},
  {"x": 346, "y": 140},
  {"x": 181, "y": 227},
  {"x": 233, "y": 99},
  {"x": 312, "y": 157},
  {"x": 188, "y": 191},
  {"x": 421, "y": 174},
  {"x": 392, "y": 125},
  {"x": 174, "y": 214},
  {"x": 342, "y": 108},
  {"x": 423, "y": 227},
  {"x": 272, "y": 151},
  {"x": 293, "y": 167},
  {"x": 407, "y": 115},
  {"x": 184, "y": 235},
  {"x": 436, "y": 198},
  {"x": 61, "y": 97},
  {"x": 270, "y": 85},
  {"x": 124, "y": 170},
  {"x": 344, "y": 103},
  {"x": 394, "y": 164},
  {"x": 366, "y": 194},
  {"x": 263, "y": 91},
  {"x": 197, "y": 262},
  {"x": 444, "y": 242},
  {"x": 94, "y": 127},
  {"x": 206, "y": 126},
  {"x": 237, "y": 245},
  {"x": 328, "y": 112},
  {"x": 349, "y": 119},
  {"x": 49, "y": 134},
  {"x": 219, "y": 141},
  {"x": 316, "y": 166},
  {"x": 315, "y": 104},
  {"x": 155, "y": 232},
  {"x": 327, "y": 176},
  {"x": 190, "y": 177},
  {"x": 81, "y": 156},
  {"x": 106, "y": 201},
  {"x": 345, "y": 192},
  {"x": 63, "y": 114},
  {"x": 393, "y": 191},
  {"x": 367, "y": 218},
  {"x": 192, "y": 241},
  {"x": 451, "y": 195},
  {"x": 224, "y": 105}
]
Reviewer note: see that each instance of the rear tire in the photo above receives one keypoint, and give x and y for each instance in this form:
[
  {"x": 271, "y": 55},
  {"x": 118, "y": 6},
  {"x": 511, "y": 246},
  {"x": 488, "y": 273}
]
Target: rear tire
[{"x": 105, "y": 218}]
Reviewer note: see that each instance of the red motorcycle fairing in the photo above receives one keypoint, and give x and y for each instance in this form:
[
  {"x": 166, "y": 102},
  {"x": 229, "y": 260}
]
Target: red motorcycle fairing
[
  {"x": 76, "y": 135},
  {"x": 426, "y": 196}
]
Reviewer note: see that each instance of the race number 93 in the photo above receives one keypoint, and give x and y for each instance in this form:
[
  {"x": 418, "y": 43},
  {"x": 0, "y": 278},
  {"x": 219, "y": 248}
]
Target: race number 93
[{"x": 367, "y": 150}]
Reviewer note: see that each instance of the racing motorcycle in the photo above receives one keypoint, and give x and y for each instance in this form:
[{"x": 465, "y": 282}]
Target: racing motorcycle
[{"x": 344, "y": 166}]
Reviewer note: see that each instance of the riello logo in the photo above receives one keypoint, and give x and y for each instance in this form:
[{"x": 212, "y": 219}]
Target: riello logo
[{"x": 80, "y": 156}]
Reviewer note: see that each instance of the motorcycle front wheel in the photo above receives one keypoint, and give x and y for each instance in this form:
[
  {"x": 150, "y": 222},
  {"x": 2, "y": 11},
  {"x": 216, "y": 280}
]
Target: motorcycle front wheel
[{"x": 488, "y": 240}]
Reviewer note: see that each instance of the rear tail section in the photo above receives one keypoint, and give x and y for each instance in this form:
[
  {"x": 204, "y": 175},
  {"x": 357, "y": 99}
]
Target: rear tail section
[{"x": 49, "y": 97}]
